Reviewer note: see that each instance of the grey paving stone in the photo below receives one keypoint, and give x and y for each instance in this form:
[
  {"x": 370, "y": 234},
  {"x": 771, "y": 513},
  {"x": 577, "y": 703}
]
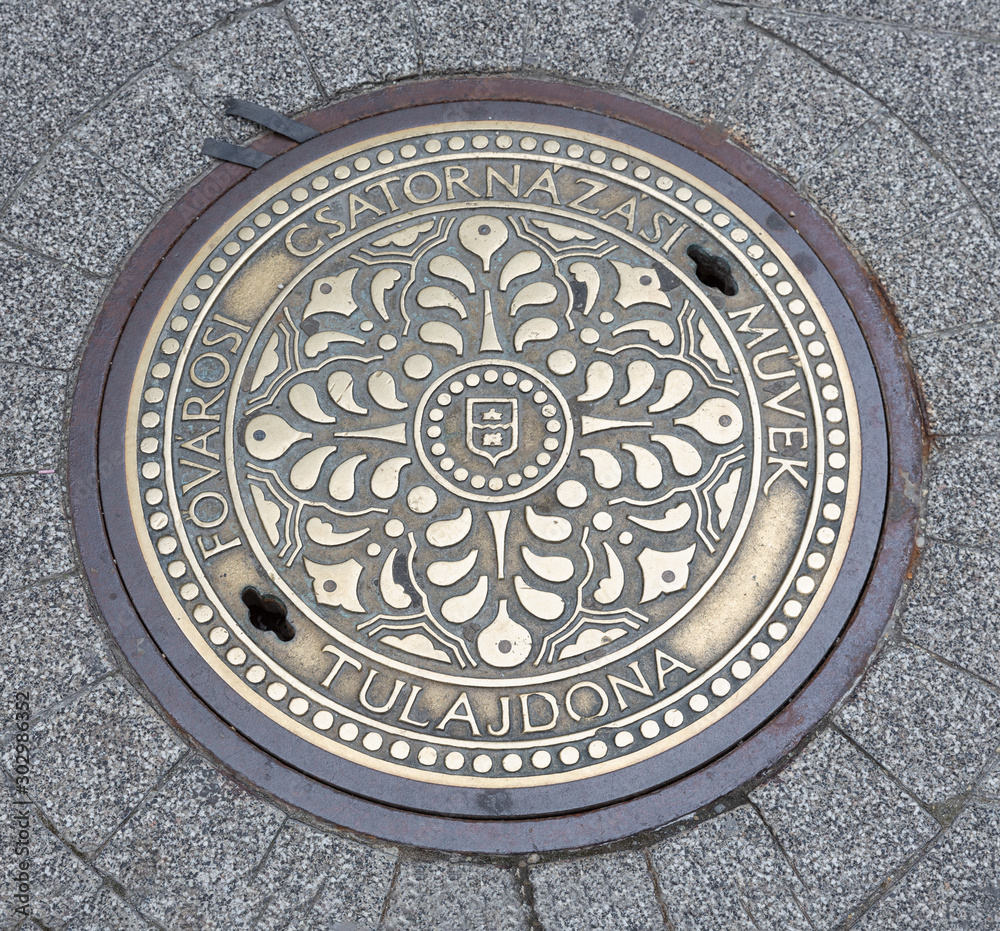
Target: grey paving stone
[
  {"x": 95, "y": 759},
  {"x": 845, "y": 825},
  {"x": 46, "y": 307},
  {"x": 957, "y": 885},
  {"x": 445, "y": 896},
  {"x": 458, "y": 35},
  {"x": 883, "y": 183},
  {"x": 189, "y": 853},
  {"x": 953, "y": 607},
  {"x": 886, "y": 62},
  {"x": 966, "y": 15},
  {"x": 105, "y": 911},
  {"x": 58, "y": 879},
  {"x": 318, "y": 879},
  {"x": 63, "y": 56},
  {"x": 370, "y": 41},
  {"x": 957, "y": 109},
  {"x": 796, "y": 112},
  {"x": 990, "y": 786},
  {"x": 928, "y": 80},
  {"x": 943, "y": 275},
  {"x": 79, "y": 209},
  {"x": 933, "y": 727},
  {"x": 34, "y": 530},
  {"x": 582, "y": 39},
  {"x": 963, "y": 506},
  {"x": 959, "y": 373},
  {"x": 255, "y": 58},
  {"x": 693, "y": 61},
  {"x": 597, "y": 893},
  {"x": 729, "y": 873},
  {"x": 31, "y": 417},
  {"x": 52, "y": 647},
  {"x": 152, "y": 131}
]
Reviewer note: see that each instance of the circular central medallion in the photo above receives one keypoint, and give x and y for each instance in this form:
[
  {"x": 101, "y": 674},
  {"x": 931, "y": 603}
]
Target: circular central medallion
[
  {"x": 493, "y": 431},
  {"x": 490, "y": 468}
]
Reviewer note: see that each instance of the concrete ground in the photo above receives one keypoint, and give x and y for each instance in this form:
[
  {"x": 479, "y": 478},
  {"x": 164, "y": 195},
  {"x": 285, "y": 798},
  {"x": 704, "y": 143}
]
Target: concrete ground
[{"x": 885, "y": 113}]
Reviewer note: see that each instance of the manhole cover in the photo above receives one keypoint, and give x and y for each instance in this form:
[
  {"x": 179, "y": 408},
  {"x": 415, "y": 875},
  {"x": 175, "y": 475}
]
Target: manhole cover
[{"x": 492, "y": 461}]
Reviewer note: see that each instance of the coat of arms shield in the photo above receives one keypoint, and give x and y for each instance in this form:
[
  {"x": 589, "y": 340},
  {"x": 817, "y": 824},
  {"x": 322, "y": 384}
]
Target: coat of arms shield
[{"x": 491, "y": 427}]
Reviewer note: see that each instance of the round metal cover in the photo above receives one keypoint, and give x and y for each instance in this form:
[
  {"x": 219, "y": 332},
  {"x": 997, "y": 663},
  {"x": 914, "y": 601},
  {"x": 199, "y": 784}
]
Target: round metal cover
[{"x": 491, "y": 461}]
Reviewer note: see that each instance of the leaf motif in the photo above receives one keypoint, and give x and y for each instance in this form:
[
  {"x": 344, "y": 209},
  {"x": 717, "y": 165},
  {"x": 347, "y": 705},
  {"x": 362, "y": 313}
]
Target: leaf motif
[
  {"x": 463, "y": 608},
  {"x": 342, "y": 480}
]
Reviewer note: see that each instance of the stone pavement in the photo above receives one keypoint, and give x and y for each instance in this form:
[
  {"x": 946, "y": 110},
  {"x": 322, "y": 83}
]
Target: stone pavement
[{"x": 885, "y": 114}]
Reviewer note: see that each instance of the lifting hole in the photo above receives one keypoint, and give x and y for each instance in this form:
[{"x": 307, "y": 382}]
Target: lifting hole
[
  {"x": 713, "y": 270},
  {"x": 268, "y": 613}
]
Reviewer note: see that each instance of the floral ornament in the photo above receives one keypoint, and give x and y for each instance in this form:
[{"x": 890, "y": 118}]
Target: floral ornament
[{"x": 496, "y": 441}]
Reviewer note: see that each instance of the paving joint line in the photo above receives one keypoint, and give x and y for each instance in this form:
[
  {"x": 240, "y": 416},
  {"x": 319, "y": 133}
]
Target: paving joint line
[
  {"x": 296, "y": 32},
  {"x": 988, "y": 38},
  {"x": 647, "y": 856},
  {"x": 951, "y": 664},
  {"x": 18, "y": 246},
  {"x": 926, "y": 807},
  {"x": 786, "y": 856},
  {"x": 650, "y": 13},
  {"x": 389, "y": 891},
  {"x": 930, "y": 150},
  {"x": 415, "y": 34},
  {"x": 225, "y": 20},
  {"x": 149, "y": 794},
  {"x": 526, "y": 893}
]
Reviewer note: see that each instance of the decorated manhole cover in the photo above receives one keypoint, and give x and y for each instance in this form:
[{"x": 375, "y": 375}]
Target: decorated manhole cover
[{"x": 489, "y": 464}]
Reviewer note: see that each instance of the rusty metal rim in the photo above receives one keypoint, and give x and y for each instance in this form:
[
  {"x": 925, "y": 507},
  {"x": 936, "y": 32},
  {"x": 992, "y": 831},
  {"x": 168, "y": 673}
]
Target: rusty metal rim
[{"x": 651, "y": 808}]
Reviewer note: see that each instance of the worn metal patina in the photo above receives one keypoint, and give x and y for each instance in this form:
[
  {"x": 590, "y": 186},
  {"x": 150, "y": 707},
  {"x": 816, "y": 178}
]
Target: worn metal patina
[{"x": 493, "y": 455}]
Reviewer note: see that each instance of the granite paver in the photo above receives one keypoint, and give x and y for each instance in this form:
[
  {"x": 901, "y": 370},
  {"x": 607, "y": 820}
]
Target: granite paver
[
  {"x": 57, "y": 879},
  {"x": 692, "y": 60},
  {"x": 256, "y": 58},
  {"x": 452, "y": 896},
  {"x": 956, "y": 886},
  {"x": 77, "y": 198},
  {"x": 795, "y": 112},
  {"x": 52, "y": 645},
  {"x": 370, "y": 41},
  {"x": 106, "y": 911},
  {"x": 583, "y": 39},
  {"x": 61, "y": 57},
  {"x": 962, "y": 505},
  {"x": 940, "y": 738},
  {"x": 31, "y": 418},
  {"x": 845, "y": 825},
  {"x": 943, "y": 275},
  {"x": 966, "y": 15},
  {"x": 152, "y": 131},
  {"x": 953, "y": 607},
  {"x": 318, "y": 879},
  {"x": 882, "y": 183},
  {"x": 591, "y": 894},
  {"x": 188, "y": 855},
  {"x": 729, "y": 873},
  {"x": 35, "y": 534},
  {"x": 47, "y": 307},
  {"x": 960, "y": 377},
  {"x": 456, "y": 35},
  {"x": 81, "y": 783}
]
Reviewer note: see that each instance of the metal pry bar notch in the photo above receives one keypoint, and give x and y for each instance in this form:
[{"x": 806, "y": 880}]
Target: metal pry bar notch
[
  {"x": 262, "y": 116},
  {"x": 270, "y": 119}
]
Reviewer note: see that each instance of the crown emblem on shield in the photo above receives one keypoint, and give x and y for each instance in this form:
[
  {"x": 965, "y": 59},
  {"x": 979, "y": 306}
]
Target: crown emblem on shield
[{"x": 491, "y": 427}]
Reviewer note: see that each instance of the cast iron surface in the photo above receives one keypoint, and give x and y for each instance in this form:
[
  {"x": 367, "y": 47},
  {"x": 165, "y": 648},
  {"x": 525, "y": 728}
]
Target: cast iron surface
[{"x": 514, "y": 824}]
